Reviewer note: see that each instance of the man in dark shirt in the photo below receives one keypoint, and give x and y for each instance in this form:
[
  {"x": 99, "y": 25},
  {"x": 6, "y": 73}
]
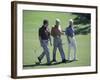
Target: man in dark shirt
[{"x": 44, "y": 37}]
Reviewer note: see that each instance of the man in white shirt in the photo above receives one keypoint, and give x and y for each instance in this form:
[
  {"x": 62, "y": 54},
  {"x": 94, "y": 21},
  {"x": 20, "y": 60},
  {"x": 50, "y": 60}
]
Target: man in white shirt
[{"x": 70, "y": 33}]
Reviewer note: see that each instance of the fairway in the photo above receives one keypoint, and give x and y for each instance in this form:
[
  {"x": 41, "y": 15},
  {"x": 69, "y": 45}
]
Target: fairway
[{"x": 32, "y": 21}]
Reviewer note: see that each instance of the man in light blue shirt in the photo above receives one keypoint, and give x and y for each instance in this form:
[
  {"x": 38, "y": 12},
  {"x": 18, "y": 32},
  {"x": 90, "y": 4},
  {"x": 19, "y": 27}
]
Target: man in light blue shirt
[{"x": 70, "y": 33}]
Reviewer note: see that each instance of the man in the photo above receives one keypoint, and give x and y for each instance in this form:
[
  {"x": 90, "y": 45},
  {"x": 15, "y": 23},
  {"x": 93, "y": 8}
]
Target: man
[
  {"x": 71, "y": 39},
  {"x": 57, "y": 42},
  {"x": 44, "y": 37}
]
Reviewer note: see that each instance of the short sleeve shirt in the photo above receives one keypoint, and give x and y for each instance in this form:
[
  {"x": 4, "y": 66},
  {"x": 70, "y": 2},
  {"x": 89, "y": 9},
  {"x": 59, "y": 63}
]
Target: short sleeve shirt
[
  {"x": 44, "y": 33},
  {"x": 56, "y": 31},
  {"x": 69, "y": 31}
]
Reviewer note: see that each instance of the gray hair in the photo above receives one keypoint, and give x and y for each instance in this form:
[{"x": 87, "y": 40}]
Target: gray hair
[{"x": 71, "y": 20}]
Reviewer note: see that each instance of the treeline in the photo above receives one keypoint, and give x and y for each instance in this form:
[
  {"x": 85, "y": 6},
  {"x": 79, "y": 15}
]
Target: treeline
[{"x": 83, "y": 23}]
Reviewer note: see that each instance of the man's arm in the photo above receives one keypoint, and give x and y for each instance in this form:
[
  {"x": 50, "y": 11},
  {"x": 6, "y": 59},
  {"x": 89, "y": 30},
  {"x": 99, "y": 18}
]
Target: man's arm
[
  {"x": 67, "y": 34},
  {"x": 61, "y": 31},
  {"x": 52, "y": 32},
  {"x": 40, "y": 36},
  {"x": 50, "y": 40},
  {"x": 68, "y": 39},
  {"x": 50, "y": 37}
]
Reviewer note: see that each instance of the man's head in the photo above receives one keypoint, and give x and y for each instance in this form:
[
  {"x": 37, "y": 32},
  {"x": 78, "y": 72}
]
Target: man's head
[
  {"x": 70, "y": 22},
  {"x": 45, "y": 23},
  {"x": 57, "y": 22}
]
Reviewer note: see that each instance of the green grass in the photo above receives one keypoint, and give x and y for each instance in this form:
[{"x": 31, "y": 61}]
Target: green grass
[{"x": 32, "y": 20}]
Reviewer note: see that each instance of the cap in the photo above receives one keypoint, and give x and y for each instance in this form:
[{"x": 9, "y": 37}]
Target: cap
[
  {"x": 71, "y": 20},
  {"x": 58, "y": 20}
]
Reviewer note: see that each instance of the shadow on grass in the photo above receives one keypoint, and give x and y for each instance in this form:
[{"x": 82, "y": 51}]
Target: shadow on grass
[{"x": 45, "y": 64}]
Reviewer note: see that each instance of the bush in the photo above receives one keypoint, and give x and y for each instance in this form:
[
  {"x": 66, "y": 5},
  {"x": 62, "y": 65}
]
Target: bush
[{"x": 84, "y": 30}]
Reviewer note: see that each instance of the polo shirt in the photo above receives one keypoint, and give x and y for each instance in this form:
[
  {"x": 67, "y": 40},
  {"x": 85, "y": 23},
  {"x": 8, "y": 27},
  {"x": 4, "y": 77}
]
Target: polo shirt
[
  {"x": 44, "y": 33},
  {"x": 69, "y": 31}
]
